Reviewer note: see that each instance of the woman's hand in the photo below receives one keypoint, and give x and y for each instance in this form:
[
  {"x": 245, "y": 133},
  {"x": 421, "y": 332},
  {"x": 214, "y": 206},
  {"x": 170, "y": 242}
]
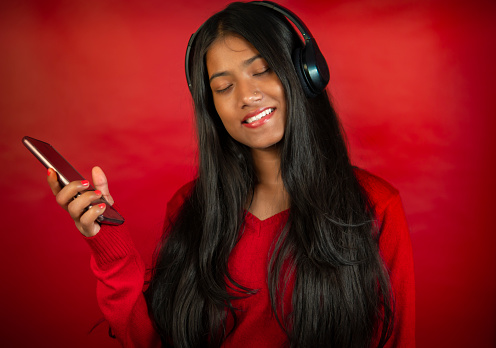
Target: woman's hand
[{"x": 85, "y": 219}]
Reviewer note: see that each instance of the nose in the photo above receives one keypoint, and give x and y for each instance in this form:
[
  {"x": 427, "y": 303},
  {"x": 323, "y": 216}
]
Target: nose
[{"x": 249, "y": 94}]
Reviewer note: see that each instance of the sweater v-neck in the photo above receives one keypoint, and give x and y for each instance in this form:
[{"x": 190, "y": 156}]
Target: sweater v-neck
[{"x": 277, "y": 218}]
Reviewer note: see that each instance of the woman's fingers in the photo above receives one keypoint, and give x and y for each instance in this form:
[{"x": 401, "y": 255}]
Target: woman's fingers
[
  {"x": 53, "y": 182},
  {"x": 84, "y": 211},
  {"x": 87, "y": 223},
  {"x": 78, "y": 206},
  {"x": 67, "y": 194},
  {"x": 81, "y": 203},
  {"x": 100, "y": 182}
]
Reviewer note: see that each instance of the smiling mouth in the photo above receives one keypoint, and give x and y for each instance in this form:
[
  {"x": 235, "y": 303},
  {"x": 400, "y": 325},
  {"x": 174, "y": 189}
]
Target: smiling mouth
[{"x": 259, "y": 116}]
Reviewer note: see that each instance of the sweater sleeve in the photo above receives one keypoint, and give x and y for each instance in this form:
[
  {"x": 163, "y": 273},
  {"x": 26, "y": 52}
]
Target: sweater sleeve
[
  {"x": 395, "y": 248},
  {"x": 396, "y": 251},
  {"x": 120, "y": 274}
]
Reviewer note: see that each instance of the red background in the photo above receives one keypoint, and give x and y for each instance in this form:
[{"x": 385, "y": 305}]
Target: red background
[{"x": 103, "y": 82}]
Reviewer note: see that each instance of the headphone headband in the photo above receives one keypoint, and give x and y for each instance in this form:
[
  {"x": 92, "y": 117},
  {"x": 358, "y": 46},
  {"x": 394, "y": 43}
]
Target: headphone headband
[
  {"x": 310, "y": 64},
  {"x": 291, "y": 16}
]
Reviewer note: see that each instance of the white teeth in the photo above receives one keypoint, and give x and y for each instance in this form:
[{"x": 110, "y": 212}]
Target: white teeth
[{"x": 260, "y": 115}]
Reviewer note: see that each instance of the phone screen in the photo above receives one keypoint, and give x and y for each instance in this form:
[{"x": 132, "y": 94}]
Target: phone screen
[{"x": 50, "y": 158}]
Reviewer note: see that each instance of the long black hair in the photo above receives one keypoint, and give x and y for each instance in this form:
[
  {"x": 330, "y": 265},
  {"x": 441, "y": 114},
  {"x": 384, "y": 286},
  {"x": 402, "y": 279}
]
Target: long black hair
[{"x": 341, "y": 295}]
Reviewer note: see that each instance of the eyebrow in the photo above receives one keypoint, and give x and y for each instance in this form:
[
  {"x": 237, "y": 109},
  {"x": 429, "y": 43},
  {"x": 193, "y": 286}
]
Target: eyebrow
[{"x": 245, "y": 64}]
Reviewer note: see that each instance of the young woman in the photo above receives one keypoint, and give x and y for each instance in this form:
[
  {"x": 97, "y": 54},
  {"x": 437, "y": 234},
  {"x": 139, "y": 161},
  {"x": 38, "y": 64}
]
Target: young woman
[{"x": 279, "y": 241}]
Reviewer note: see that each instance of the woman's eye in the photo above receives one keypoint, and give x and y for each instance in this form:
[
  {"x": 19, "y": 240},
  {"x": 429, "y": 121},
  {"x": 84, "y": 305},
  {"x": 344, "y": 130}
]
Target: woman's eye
[
  {"x": 223, "y": 90},
  {"x": 265, "y": 70}
]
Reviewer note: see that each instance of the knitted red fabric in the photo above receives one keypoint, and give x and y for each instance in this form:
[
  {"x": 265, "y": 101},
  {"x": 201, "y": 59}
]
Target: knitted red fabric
[{"x": 120, "y": 273}]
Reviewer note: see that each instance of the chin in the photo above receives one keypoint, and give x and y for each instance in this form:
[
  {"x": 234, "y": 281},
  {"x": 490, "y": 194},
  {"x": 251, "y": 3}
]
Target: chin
[{"x": 266, "y": 146}]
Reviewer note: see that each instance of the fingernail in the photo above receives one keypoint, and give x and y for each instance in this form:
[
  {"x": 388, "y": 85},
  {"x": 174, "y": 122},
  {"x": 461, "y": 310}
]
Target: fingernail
[
  {"x": 101, "y": 205},
  {"x": 49, "y": 171},
  {"x": 85, "y": 182},
  {"x": 98, "y": 192}
]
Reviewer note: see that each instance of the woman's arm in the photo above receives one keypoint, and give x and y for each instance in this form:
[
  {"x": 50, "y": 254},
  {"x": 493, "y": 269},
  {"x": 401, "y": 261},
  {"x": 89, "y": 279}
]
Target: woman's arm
[
  {"x": 115, "y": 261},
  {"x": 120, "y": 274},
  {"x": 396, "y": 250}
]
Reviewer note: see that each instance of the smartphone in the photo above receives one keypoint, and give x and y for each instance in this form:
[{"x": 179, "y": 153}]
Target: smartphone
[{"x": 66, "y": 173}]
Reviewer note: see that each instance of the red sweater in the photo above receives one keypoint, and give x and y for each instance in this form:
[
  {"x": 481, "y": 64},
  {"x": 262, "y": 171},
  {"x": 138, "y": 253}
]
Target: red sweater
[{"x": 120, "y": 273}]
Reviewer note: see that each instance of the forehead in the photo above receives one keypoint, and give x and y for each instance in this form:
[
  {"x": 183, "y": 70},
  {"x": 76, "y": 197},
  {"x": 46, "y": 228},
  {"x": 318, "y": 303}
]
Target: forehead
[{"x": 228, "y": 51}]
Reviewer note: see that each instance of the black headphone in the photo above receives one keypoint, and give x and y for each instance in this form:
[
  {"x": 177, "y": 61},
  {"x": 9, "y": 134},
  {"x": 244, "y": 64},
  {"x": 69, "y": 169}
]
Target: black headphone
[{"x": 309, "y": 63}]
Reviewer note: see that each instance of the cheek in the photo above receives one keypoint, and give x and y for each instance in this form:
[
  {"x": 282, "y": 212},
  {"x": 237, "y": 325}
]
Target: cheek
[
  {"x": 222, "y": 110},
  {"x": 226, "y": 115},
  {"x": 277, "y": 91},
  {"x": 282, "y": 101}
]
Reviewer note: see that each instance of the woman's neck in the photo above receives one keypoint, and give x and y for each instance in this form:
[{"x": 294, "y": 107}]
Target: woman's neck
[
  {"x": 270, "y": 196},
  {"x": 267, "y": 164}
]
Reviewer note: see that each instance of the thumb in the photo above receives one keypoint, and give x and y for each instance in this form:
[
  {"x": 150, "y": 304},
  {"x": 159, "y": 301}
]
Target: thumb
[{"x": 100, "y": 182}]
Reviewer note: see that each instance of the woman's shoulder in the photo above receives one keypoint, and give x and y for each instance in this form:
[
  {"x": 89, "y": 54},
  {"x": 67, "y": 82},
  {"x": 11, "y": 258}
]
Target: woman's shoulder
[
  {"x": 178, "y": 198},
  {"x": 183, "y": 192},
  {"x": 379, "y": 192}
]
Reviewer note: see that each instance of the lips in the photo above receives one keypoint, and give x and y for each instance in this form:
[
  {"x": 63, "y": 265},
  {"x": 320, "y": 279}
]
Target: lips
[{"x": 258, "y": 118}]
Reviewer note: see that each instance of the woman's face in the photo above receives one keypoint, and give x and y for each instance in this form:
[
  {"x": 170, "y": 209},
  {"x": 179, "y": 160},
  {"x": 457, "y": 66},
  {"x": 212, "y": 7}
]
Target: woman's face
[{"x": 248, "y": 95}]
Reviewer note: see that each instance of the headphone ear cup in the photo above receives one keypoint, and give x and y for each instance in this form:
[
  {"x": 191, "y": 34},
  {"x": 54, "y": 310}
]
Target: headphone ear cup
[
  {"x": 300, "y": 71},
  {"x": 314, "y": 67}
]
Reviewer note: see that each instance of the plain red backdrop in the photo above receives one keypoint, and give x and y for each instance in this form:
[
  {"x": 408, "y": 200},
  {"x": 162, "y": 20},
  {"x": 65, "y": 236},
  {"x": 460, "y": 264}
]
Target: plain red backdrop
[{"x": 103, "y": 81}]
